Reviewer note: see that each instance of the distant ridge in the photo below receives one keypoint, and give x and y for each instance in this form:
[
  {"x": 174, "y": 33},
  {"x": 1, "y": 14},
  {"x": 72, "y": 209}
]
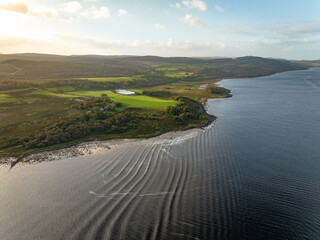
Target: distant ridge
[
  {"x": 147, "y": 58},
  {"x": 50, "y": 66}
]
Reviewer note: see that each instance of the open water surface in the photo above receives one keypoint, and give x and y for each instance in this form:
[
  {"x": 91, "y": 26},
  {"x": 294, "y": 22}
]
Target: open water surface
[{"x": 253, "y": 174}]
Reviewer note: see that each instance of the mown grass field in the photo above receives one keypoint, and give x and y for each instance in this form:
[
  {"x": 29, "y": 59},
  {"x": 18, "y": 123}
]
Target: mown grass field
[
  {"x": 127, "y": 101},
  {"x": 135, "y": 101}
]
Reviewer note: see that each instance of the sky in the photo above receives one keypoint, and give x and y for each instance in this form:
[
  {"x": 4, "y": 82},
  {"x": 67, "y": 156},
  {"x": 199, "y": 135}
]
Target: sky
[{"x": 193, "y": 28}]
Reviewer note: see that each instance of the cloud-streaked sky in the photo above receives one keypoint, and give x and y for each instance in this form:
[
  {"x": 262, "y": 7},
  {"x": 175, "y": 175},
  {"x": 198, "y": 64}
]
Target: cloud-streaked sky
[{"x": 269, "y": 28}]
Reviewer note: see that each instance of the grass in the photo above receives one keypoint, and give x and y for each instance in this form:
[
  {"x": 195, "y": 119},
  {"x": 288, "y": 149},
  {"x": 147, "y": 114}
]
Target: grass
[
  {"x": 184, "y": 88},
  {"x": 178, "y": 75},
  {"x": 178, "y": 88},
  {"x": 30, "y": 100},
  {"x": 5, "y": 98},
  {"x": 135, "y": 101},
  {"x": 20, "y": 96},
  {"x": 53, "y": 92},
  {"x": 26, "y": 115},
  {"x": 16, "y": 90}
]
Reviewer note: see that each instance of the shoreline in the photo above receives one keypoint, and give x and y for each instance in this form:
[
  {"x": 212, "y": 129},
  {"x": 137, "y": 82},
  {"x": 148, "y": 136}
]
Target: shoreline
[
  {"x": 93, "y": 147},
  {"x": 82, "y": 148}
]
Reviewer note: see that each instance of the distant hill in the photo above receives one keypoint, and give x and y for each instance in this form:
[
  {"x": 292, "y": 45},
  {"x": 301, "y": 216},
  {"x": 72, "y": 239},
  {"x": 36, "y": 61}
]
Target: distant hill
[{"x": 37, "y": 66}]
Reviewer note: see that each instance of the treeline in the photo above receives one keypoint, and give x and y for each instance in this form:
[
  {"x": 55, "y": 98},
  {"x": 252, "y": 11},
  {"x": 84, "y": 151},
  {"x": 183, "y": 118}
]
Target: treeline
[
  {"x": 70, "y": 129},
  {"x": 93, "y": 102},
  {"x": 75, "y": 83},
  {"x": 157, "y": 93},
  {"x": 186, "y": 109}
]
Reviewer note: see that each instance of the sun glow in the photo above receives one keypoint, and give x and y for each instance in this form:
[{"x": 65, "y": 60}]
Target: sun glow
[{"x": 12, "y": 23}]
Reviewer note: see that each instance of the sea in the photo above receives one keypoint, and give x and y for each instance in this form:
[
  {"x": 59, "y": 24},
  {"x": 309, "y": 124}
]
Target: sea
[{"x": 254, "y": 173}]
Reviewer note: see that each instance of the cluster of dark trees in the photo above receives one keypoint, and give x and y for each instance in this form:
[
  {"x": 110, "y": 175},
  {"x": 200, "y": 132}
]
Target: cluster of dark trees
[
  {"x": 70, "y": 129},
  {"x": 75, "y": 83},
  {"x": 157, "y": 93},
  {"x": 99, "y": 118},
  {"x": 94, "y": 102},
  {"x": 186, "y": 109},
  {"x": 219, "y": 90},
  {"x": 98, "y": 105}
]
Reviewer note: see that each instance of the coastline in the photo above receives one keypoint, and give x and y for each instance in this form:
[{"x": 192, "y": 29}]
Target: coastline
[
  {"x": 82, "y": 148},
  {"x": 94, "y": 146}
]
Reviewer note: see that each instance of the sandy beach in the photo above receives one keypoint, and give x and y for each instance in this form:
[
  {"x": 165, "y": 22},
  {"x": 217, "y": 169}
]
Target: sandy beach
[{"x": 95, "y": 147}]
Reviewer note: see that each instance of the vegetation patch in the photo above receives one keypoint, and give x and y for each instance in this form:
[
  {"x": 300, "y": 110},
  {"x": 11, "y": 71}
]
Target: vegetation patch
[
  {"x": 178, "y": 75},
  {"x": 5, "y": 98},
  {"x": 219, "y": 91},
  {"x": 54, "y": 92}
]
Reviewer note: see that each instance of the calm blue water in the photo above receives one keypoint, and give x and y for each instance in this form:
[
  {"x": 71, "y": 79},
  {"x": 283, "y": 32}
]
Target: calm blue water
[{"x": 253, "y": 174}]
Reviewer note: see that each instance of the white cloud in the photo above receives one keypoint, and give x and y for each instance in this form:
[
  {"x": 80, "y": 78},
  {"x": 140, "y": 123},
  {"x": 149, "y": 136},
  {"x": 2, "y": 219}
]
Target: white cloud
[
  {"x": 177, "y": 5},
  {"x": 122, "y": 12},
  {"x": 201, "y": 5},
  {"x": 220, "y": 9},
  {"x": 97, "y": 13},
  {"x": 23, "y": 8},
  {"x": 193, "y": 21},
  {"x": 71, "y": 6},
  {"x": 43, "y": 12},
  {"x": 19, "y": 7},
  {"x": 160, "y": 26}
]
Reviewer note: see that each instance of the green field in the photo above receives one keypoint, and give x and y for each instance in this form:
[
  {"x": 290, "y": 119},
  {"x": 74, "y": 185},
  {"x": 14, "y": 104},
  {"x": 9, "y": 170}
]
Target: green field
[
  {"x": 51, "y": 92},
  {"x": 136, "y": 101},
  {"x": 5, "y": 98},
  {"x": 127, "y": 101}
]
